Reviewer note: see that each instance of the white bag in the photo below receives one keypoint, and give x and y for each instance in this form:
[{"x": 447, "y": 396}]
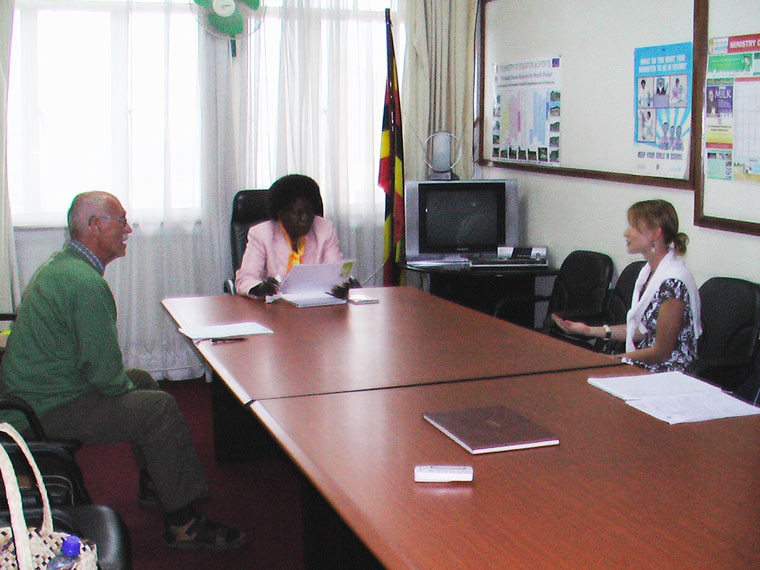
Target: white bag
[{"x": 23, "y": 548}]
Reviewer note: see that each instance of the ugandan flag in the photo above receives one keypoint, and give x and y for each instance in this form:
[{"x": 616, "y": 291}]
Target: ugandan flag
[{"x": 391, "y": 177}]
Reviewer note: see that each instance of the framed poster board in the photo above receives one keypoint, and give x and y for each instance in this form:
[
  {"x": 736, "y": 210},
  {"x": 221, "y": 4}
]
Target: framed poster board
[
  {"x": 727, "y": 193},
  {"x": 593, "y": 99}
]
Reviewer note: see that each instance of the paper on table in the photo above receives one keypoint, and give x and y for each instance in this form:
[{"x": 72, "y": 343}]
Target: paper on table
[
  {"x": 693, "y": 407},
  {"x": 224, "y": 331},
  {"x": 649, "y": 385}
]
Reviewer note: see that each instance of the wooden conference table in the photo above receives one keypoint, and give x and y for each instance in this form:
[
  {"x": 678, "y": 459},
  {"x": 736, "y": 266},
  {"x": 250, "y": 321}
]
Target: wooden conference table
[
  {"x": 622, "y": 489},
  {"x": 408, "y": 338}
]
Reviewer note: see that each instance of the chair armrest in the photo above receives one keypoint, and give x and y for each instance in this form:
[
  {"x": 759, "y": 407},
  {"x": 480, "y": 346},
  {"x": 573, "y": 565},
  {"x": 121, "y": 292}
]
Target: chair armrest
[{"x": 11, "y": 402}]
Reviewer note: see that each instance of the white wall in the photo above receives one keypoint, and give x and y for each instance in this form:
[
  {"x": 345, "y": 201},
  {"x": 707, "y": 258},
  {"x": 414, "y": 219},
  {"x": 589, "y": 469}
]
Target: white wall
[{"x": 567, "y": 213}]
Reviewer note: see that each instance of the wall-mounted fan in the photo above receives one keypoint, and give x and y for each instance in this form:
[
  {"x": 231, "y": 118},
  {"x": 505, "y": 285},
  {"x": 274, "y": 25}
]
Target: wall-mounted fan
[
  {"x": 442, "y": 151},
  {"x": 229, "y": 18}
]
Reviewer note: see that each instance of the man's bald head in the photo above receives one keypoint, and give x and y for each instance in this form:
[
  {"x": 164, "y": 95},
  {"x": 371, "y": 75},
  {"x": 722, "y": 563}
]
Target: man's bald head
[
  {"x": 98, "y": 221},
  {"x": 82, "y": 209}
]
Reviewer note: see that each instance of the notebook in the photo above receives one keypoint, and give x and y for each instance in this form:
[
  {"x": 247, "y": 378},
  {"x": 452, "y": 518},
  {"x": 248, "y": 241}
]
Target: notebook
[
  {"x": 310, "y": 285},
  {"x": 490, "y": 429}
]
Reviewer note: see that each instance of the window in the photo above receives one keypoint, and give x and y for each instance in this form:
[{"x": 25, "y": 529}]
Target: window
[{"x": 104, "y": 95}]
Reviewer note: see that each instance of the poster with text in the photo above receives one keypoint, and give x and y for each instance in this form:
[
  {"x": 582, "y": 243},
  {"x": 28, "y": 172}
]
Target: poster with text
[
  {"x": 662, "y": 109},
  {"x": 732, "y": 109},
  {"x": 527, "y": 112}
]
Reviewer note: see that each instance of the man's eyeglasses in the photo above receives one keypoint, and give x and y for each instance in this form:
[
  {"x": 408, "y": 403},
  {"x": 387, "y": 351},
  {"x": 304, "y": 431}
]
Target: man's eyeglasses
[{"x": 122, "y": 220}]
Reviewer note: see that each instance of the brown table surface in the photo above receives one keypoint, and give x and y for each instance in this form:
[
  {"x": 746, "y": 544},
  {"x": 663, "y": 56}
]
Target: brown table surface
[
  {"x": 408, "y": 338},
  {"x": 622, "y": 489}
]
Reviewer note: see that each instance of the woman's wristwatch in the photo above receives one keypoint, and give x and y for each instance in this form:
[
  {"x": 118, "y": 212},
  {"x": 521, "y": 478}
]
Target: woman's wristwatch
[{"x": 607, "y": 332}]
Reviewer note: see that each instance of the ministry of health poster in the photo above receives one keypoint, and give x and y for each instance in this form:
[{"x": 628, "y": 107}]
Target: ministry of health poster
[
  {"x": 526, "y": 112},
  {"x": 732, "y": 120},
  {"x": 662, "y": 107}
]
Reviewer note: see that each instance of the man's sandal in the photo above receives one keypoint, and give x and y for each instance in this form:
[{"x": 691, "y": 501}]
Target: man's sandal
[{"x": 202, "y": 533}]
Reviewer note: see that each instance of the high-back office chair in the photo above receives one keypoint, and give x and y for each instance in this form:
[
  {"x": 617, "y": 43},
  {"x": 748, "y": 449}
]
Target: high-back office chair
[
  {"x": 249, "y": 207},
  {"x": 730, "y": 329},
  {"x": 580, "y": 291},
  {"x": 619, "y": 303},
  {"x": 72, "y": 508},
  {"x": 54, "y": 457},
  {"x": 74, "y": 514}
]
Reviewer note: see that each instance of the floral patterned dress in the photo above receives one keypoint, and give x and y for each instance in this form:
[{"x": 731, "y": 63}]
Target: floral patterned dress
[{"x": 686, "y": 347}]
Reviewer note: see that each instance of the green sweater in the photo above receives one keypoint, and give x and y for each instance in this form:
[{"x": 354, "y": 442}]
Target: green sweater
[{"x": 64, "y": 341}]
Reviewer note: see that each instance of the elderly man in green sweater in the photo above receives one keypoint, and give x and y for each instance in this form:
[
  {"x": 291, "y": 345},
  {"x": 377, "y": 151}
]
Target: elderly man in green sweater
[{"x": 63, "y": 358}]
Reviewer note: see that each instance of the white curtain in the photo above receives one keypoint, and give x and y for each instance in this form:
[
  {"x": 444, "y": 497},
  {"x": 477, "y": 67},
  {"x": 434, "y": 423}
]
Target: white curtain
[
  {"x": 304, "y": 94},
  {"x": 9, "y": 286},
  {"x": 314, "y": 86},
  {"x": 437, "y": 93}
]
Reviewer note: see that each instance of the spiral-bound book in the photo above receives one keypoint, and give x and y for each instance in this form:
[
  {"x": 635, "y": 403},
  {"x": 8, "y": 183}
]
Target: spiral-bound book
[{"x": 491, "y": 429}]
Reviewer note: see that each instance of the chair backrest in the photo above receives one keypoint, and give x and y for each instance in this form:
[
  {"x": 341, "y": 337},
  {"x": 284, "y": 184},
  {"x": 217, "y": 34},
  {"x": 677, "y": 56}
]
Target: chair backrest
[
  {"x": 620, "y": 298},
  {"x": 730, "y": 328},
  {"x": 581, "y": 287},
  {"x": 249, "y": 207}
]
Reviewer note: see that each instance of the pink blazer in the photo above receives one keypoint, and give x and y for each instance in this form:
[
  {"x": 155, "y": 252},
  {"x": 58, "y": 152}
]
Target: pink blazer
[{"x": 267, "y": 252}]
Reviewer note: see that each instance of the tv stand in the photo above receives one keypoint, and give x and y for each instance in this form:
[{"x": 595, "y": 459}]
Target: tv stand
[{"x": 483, "y": 288}]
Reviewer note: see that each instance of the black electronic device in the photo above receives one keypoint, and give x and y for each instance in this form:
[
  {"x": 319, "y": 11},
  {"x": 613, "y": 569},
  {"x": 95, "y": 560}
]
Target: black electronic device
[{"x": 451, "y": 219}]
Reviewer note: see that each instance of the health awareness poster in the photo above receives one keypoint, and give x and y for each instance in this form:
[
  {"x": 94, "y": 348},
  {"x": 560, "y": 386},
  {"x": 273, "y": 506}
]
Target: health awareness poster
[
  {"x": 527, "y": 112},
  {"x": 662, "y": 107},
  {"x": 732, "y": 109}
]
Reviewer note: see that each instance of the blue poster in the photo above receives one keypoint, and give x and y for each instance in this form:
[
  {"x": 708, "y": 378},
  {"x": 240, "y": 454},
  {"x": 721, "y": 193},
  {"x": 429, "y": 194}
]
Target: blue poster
[{"x": 662, "y": 109}]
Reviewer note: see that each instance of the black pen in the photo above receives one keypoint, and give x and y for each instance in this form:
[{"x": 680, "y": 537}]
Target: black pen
[{"x": 228, "y": 339}]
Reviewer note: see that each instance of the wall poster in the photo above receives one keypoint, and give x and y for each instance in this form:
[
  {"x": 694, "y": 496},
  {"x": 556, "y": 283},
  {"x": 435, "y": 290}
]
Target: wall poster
[
  {"x": 526, "y": 112},
  {"x": 732, "y": 101},
  {"x": 662, "y": 107}
]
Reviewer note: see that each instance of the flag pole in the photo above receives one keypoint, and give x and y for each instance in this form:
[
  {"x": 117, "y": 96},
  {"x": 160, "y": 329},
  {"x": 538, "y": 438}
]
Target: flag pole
[{"x": 391, "y": 176}]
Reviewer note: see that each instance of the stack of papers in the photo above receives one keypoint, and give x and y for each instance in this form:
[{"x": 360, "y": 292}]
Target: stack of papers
[
  {"x": 674, "y": 397},
  {"x": 224, "y": 331},
  {"x": 310, "y": 285}
]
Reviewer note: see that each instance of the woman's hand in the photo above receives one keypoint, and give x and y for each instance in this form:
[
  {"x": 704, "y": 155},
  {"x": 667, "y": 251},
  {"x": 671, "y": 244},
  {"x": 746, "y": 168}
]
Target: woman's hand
[
  {"x": 571, "y": 327},
  {"x": 269, "y": 286},
  {"x": 340, "y": 291}
]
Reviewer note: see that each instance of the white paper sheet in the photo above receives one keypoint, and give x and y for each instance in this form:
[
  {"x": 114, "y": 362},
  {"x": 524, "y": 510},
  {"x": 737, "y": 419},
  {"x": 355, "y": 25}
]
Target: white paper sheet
[
  {"x": 694, "y": 407},
  {"x": 650, "y": 385},
  {"x": 224, "y": 331},
  {"x": 674, "y": 397},
  {"x": 318, "y": 278}
]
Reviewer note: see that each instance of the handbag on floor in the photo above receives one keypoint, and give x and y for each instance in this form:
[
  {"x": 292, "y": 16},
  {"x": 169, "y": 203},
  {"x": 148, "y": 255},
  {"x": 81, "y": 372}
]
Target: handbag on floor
[{"x": 25, "y": 548}]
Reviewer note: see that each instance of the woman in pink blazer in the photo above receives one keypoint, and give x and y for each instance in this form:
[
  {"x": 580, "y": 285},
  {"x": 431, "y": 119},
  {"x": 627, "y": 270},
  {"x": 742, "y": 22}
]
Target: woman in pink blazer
[{"x": 293, "y": 234}]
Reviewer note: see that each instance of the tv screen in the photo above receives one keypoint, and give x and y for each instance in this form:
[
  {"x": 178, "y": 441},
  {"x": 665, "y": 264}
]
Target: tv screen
[{"x": 459, "y": 218}]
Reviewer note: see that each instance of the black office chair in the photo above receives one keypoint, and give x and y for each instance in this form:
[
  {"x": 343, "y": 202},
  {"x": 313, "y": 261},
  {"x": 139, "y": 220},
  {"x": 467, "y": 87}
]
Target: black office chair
[
  {"x": 730, "y": 329},
  {"x": 249, "y": 207},
  {"x": 749, "y": 391},
  {"x": 72, "y": 508},
  {"x": 618, "y": 305},
  {"x": 55, "y": 458},
  {"x": 579, "y": 293}
]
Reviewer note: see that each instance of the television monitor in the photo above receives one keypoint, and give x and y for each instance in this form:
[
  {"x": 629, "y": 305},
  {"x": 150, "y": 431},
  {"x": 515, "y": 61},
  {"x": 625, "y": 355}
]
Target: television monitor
[{"x": 459, "y": 218}]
